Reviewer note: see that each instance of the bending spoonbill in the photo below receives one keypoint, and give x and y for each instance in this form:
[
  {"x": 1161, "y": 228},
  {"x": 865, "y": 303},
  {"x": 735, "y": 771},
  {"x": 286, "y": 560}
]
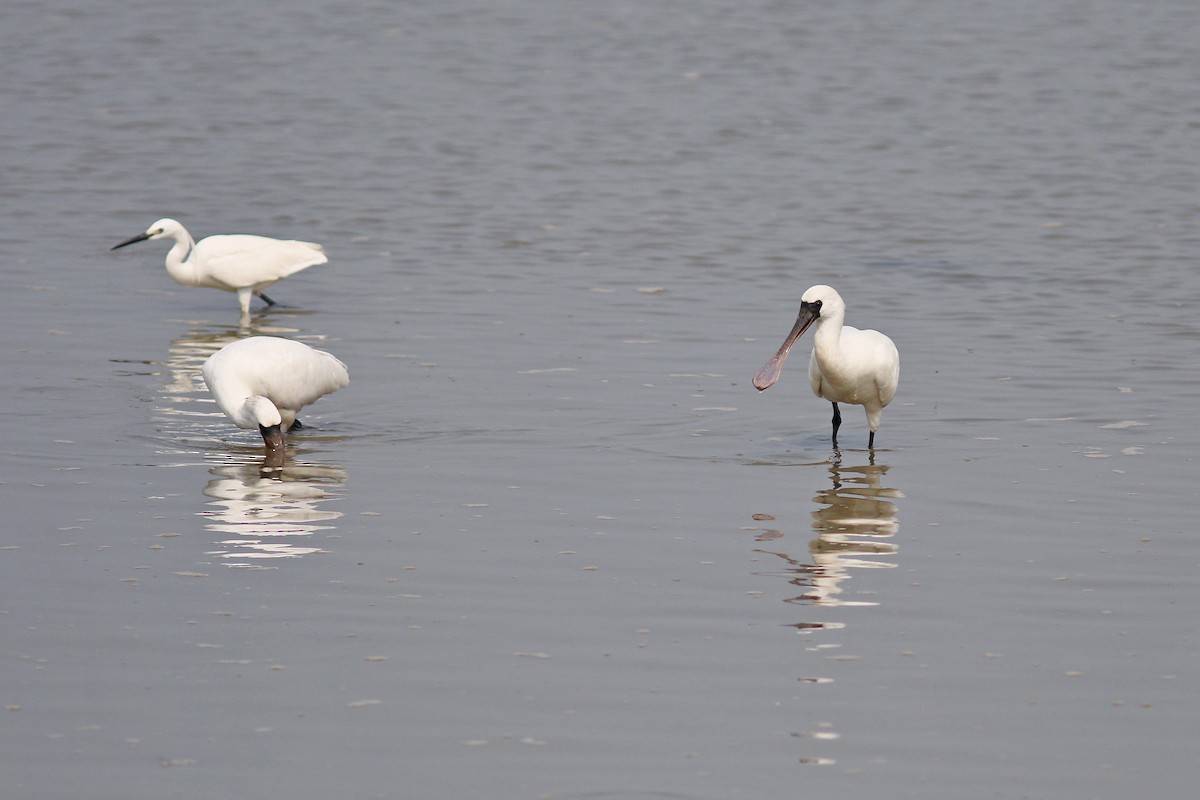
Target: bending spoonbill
[
  {"x": 238, "y": 262},
  {"x": 263, "y": 382},
  {"x": 847, "y": 365}
]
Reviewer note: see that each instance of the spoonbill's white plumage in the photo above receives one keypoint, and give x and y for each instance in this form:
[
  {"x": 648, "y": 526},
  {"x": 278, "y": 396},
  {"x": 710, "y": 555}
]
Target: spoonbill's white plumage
[
  {"x": 847, "y": 365},
  {"x": 238, "y": 262},
  {"x": 263, "y": 382}
]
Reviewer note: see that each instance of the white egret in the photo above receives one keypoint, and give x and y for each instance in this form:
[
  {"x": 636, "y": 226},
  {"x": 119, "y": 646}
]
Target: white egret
[
  {"x": 263, "y": 382},
  {"x": 847, "y": 365},
  {"x": 237, "y": 262}
]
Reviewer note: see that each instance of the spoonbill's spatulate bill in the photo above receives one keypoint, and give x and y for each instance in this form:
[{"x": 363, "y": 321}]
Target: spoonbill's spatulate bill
[
  {"x": 847, "y": 365},
  {"x": 238, "y": 262},
  {"x": 263, "y": 382}
]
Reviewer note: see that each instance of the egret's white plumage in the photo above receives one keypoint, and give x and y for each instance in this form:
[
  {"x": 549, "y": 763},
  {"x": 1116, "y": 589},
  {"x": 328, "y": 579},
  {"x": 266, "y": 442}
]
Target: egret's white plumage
[
  {"x": 238, "y": 262},
  {"x": 263, "y": 382},
  {"x": 847, "y": 365}
]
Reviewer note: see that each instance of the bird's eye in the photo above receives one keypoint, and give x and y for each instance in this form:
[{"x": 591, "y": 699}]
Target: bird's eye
[{"x": 817, "y": 305}]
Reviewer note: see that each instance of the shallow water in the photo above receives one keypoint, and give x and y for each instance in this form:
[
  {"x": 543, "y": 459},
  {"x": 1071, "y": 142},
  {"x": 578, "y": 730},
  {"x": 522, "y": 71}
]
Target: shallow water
[{"x": 550, "y": 543}]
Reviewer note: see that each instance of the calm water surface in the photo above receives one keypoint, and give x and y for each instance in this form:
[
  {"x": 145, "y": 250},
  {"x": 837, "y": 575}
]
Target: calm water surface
[{"x": 550, "y": 543}]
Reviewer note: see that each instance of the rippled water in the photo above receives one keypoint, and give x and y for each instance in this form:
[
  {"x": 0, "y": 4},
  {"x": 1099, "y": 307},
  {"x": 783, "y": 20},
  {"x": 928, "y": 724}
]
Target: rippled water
[{"x": 550, "y": 543}]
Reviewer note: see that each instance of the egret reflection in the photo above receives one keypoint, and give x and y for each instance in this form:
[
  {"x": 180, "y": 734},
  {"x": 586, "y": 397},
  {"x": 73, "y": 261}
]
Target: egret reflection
[
  {"x": 263, "y": 511},
  {"x": 855, "y": 522}
]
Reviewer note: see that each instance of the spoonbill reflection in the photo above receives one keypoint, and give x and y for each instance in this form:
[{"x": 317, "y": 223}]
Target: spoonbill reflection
[
  {"x": 237, "y": 262},
  {"x": 847, "y": 365},
  {"x": 260, "y": 519},
  {"x": 855, "y": 521},
  {"x": 263, "y": 382}
]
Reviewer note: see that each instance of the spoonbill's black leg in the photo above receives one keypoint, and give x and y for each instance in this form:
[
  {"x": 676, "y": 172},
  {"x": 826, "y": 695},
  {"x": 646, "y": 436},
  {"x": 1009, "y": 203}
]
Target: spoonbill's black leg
[
  {"x": 265, "y": 299},
  {"x": 871, "y": 441},
  {"x": 837, "y": 423}
]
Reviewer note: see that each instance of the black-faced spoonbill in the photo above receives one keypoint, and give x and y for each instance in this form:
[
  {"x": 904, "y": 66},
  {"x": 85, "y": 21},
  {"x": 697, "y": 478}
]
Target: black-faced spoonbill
[
  {"x": 847, "y": 365},
  {"x": 263, "y": 382},
  {"x": 237, "y": 262}
]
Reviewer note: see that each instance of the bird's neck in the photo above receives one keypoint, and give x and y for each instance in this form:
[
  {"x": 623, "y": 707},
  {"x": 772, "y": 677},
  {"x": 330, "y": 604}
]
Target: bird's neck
[
  {"x": 828, "y": 335},
  {"x": 255, "y": 411},
  {"x": 179, "y": 260},
  {"x": 827, "y": 344}
]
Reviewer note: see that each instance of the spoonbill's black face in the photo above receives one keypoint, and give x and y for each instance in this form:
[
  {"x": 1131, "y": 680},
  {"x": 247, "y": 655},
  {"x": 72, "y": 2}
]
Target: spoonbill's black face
[
  {"x": 272, "y": 437},
  {"x": 813, "y": 309}
]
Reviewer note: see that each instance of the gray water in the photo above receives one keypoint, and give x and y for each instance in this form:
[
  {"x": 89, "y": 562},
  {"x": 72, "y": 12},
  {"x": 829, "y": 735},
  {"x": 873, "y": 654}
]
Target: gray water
[{"x": 550, "y": 543}]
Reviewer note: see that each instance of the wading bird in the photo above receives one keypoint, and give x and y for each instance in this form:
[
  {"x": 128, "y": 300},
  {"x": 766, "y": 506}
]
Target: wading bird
[
  {"x": 238, "y": 262},
  {"x": 263, "y": 382},
  {"x": 847, "y": 365}
]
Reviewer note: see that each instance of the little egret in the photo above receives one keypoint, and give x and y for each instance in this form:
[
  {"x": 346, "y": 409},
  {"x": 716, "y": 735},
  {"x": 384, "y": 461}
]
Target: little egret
[
  {"x": 847, "y": 365},
  {"x": 263, "y": 382},
  {"x": 237, "y": 262}
]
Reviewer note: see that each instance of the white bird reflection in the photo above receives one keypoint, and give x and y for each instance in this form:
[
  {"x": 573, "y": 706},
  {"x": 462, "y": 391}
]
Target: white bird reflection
[
  {"x": 855, "y": 521},
  {"x": 270, "y": 511}
]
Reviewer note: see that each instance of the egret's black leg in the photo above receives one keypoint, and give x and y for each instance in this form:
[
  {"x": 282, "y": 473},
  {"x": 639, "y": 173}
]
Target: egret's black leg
[
  {"x": 265, "y": 299},
  {"x": 871, "y": 441},
  {"x": 837, "y": 423},
  {"x": 296, "y": 426}
]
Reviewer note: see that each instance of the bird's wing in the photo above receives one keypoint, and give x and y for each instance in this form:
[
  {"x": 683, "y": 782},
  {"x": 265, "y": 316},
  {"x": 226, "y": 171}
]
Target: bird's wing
[
  {"x": 291, "y": 374},
  {"x": 234, "y": 260},
  {"x": 887, "y": 377},
  {"x": 890, "y": 390},
  {"x": 295, "y": 377}
]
